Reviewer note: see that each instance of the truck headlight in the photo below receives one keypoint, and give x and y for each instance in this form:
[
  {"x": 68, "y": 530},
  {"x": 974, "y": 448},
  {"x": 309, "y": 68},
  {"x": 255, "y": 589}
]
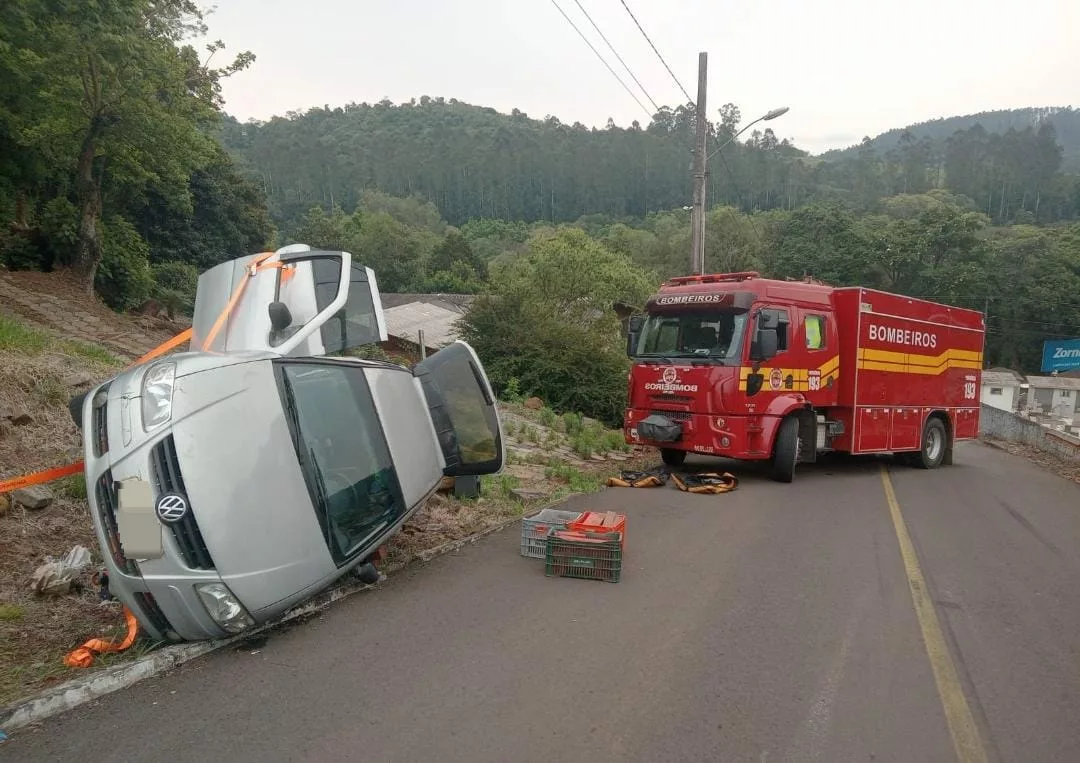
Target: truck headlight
[
  {"x": 225, "y": 609},
  {"x": 157, "y": 394}
]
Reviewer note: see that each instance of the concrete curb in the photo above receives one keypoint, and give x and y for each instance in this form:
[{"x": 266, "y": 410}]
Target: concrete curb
[{"x": 79, "y": 691}]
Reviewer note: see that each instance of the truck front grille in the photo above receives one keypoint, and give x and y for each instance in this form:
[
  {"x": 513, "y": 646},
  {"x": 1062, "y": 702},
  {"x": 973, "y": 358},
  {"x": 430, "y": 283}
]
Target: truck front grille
[
  {"x": 665, "y": 398},
  {"x": 168, "y": 478},
  {"x": 673, "y": 415},
  {"x": 107, "y": 500}
]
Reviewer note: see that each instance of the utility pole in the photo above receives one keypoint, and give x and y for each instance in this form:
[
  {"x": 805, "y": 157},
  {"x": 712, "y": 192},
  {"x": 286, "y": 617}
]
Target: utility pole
[{"x": 697, "y": 218}]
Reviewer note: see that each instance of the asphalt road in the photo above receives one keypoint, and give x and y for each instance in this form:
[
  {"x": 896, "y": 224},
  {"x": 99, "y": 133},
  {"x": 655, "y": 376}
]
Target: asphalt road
[{"x": 775, "y": 623}]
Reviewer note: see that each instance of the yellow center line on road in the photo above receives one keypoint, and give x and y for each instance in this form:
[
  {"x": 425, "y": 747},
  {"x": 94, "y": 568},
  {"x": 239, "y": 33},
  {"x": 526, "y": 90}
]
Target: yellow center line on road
[{"x": 965, "y": 734}]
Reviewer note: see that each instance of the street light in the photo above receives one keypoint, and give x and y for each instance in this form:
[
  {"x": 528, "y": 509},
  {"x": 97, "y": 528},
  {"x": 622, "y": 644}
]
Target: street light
[
  {"x": 765, "y": 118},
  {"x": 768, "y": 116}
]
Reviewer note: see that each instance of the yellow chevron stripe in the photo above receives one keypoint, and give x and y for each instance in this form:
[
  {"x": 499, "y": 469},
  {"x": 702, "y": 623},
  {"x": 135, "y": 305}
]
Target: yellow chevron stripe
[
  {"x": 909, "y": 368},
  {"x": 800, "y": 379},
  {"x": 914, "y": 358},
  {"x": 830, "y": 365}
]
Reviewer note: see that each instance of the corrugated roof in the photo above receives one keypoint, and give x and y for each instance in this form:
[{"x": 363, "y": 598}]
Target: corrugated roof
[
  {"x": 1000, "y": 379},
  {"x": 1053, "y": 382},
  {"x": 458, "y": 302},
  {"x": 437, "y": 323},
  {"x": 1000, "y": 369}
]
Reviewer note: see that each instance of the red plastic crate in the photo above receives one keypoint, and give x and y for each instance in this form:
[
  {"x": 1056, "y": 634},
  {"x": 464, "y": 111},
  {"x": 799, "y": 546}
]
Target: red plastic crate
[{"x": 600, "y": 522}]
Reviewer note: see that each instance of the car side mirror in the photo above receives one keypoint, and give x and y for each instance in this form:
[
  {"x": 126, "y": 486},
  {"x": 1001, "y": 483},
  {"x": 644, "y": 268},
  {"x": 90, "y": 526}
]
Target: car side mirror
[
  {"x": 280, "y": 316},
  {"x": 764, "y": 345}
]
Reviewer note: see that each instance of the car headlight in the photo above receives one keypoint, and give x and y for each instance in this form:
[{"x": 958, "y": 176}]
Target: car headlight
[
  {"x": 224, "y": 608},
  {"x": 157, "y": 394}
]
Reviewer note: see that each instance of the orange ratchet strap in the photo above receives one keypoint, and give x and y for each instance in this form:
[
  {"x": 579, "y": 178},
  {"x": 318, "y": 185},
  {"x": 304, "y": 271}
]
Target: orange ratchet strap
[
  {"x": 48, "y": 475},
  {"x": 6, "y": 486},
  {"x": 83, "y": 657},
  {"x": 253, "y": 268}
]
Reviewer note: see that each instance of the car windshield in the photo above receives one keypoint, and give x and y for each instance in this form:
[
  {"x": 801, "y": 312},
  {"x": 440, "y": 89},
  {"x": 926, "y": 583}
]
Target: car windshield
[
  {"x": 714, "y": 335},
  {"x": 343, "y": 452}
]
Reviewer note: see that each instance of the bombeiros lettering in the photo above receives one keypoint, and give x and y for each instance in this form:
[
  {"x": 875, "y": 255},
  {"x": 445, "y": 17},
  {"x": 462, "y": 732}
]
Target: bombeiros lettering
[
  {"x": 908, "y": 337},
  {"x": 690, "y": 299},
  {"x": 669, "y": 382}
]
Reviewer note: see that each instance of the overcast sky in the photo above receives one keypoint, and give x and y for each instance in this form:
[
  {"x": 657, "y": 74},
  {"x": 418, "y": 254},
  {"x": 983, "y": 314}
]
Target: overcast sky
[{"x": 844, "y": 67}]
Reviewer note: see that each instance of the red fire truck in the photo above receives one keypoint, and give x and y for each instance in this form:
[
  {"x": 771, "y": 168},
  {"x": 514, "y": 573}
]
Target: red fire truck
[{"x": 744, "y": 367}]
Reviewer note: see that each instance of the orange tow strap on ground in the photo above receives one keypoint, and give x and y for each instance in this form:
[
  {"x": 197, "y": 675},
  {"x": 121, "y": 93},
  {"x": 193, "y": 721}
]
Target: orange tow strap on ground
[
  {"x": 708, "y": 482},
  {"x": 83, "y": 657},
  {"x": 6, "y": 486}
]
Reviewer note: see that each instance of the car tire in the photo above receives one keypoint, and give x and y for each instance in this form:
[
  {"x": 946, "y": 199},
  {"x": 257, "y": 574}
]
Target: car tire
[{"x": 786, "y": 450}]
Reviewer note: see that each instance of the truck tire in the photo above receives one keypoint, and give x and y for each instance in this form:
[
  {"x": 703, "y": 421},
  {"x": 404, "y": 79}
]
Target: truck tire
[
  {"x": 934, "y": 441},
  {"x": 672, "y": 457},
  {"x": 786, "y": 450}
]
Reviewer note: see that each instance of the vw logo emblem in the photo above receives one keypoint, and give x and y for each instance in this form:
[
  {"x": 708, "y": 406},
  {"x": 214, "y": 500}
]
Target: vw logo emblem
[
  {"x": 670, "y": 375},
  {"x": 171, "y": 508}
]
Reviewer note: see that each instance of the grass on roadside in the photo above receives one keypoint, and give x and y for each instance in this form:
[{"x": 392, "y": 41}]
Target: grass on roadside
[
  {"x": 19, "y": 338},
  {"x": 37, "y": 371}
]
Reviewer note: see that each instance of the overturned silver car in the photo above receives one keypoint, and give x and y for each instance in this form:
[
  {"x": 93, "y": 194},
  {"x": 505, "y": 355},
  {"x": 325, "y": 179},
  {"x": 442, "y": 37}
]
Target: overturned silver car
[{"x": 231, "y": 482}]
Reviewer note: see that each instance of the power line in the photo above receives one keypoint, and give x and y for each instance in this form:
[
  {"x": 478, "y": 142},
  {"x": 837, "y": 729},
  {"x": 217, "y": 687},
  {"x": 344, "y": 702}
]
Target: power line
[
  {"x": 594, "y": 50},
  {"x": 657, "y": 52},
  {"x": 612, "y": 47}
]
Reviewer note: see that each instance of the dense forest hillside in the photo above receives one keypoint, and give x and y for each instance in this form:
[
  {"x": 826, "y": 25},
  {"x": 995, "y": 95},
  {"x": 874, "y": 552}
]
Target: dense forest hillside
[
  {"x": 1066, "y": 121},
  {"x": 472, "y": 161},
  {"x": 119, "y": 163}
]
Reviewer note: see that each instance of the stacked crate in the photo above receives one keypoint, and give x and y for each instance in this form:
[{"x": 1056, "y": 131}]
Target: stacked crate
[
  {"x": 601, "y": 522},
  {"x": 534, "y": 530},
  {"x": 584, "y": 555}
]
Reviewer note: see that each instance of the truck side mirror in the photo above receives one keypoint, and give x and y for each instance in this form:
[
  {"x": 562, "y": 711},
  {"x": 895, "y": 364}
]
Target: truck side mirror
[
  {"x": 764, "y": 345},
  {"x": 632, "y": 334}
]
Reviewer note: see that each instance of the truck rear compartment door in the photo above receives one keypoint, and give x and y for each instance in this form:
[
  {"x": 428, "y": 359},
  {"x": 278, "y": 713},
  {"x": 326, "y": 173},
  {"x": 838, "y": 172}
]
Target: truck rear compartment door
[
  {"x": 906, "y": 429},
  {"x": 873, "y": 429}
]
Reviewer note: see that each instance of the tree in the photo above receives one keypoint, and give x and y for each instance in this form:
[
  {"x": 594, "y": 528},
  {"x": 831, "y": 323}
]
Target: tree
[
  {"x": 548, "y": 323},
  {"x": 455, "y": 249},
  {"x": 118, "y": 100}
]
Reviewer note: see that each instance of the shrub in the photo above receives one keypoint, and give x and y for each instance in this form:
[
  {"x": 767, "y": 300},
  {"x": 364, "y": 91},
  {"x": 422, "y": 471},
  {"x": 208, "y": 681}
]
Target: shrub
[{"x": 123, "y": 278}]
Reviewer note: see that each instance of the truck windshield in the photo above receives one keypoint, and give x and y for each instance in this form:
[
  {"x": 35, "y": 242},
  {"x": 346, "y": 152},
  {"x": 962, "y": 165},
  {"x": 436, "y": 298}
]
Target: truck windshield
[
  {"x": 714, "y": 335},
  {"x": 342, "y": 452}
]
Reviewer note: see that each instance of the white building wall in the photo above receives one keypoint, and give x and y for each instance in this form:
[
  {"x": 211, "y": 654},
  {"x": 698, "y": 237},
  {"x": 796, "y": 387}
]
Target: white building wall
[{"x": 1003, "y": 398}]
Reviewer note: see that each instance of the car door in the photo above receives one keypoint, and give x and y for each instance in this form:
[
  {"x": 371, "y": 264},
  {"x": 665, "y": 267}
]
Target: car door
[
  {"x": 464, "y": 411},
  {"x": 295, "y": 302}
]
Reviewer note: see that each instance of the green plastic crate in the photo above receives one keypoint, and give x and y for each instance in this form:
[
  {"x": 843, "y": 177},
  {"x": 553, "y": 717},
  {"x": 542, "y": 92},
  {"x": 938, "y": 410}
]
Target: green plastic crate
[{"x": 586, "y": 556}]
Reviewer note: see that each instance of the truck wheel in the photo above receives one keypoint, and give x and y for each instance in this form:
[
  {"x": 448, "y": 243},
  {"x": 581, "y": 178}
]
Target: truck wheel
[
  {"x": 934, "y": 441},
  {"x": 786, "y": 451},
  {"x": 672, "y": 457}
]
